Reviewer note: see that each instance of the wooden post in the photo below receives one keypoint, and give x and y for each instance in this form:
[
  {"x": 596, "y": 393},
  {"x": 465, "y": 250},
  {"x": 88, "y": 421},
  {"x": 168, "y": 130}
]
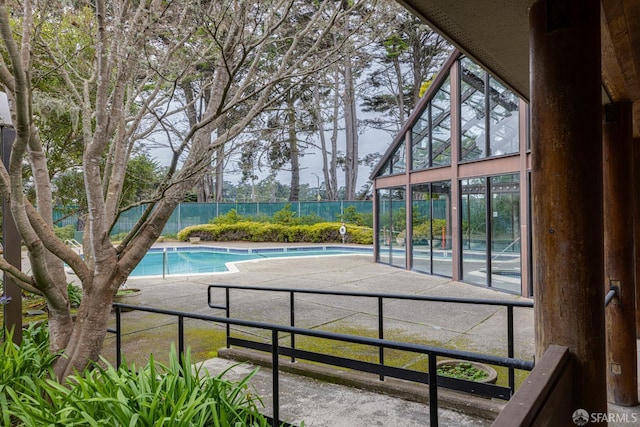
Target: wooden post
[
  {"x": 635, "y": 188},
  {"x": 620, "y": 315},
  {"x": 566, "y": 132}
]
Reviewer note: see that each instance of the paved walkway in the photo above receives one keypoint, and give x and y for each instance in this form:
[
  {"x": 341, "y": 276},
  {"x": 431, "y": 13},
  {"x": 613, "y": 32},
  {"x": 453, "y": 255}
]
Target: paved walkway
[{"x": 473, "y": 328}]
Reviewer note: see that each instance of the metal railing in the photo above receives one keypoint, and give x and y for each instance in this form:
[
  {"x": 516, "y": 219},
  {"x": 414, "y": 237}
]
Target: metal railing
[
  {"x": 433, "y": 381},
  {"x": 380, "y": 297}
]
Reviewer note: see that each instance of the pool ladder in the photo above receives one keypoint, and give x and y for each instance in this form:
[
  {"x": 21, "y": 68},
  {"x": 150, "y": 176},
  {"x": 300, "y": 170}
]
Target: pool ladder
[{"x": 75, "y": 245}]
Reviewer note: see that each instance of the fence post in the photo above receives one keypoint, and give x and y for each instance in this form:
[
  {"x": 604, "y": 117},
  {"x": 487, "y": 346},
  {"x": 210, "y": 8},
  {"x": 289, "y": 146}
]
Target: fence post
[{"x": 179, "y": 215}]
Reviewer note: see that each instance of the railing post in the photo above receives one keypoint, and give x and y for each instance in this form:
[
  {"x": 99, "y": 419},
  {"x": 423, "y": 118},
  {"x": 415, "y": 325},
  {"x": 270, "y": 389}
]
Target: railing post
[
  {"x": 164, "y": 262},
  {"x": 180, "y": 338},
  {"x": 293, "y": 323},
  {"x": 510, "y": 347},
  {"x": 380, "y": 334},
  {"x": 275, "y": 377},
  {"x": 228, "y": 312},
  {"x": 433, "y": 391},
  {"x": 118, "y": 338}
]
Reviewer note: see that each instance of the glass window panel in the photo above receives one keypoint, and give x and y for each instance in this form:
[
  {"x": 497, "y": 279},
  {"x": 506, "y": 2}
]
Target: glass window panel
[
  {"x": 505, "y": 232},
  {"x": 474, "y": 230},
  {"x": 398, "y": 227},
  {"x": 442, "y": 99},
  {"x": 504, "y": 123},
  {"x": 386, "y": 169},
  {"x": 421, "y": 238},
  {"x": 441, "y": 142},
  {"x": 441, "y": 126},
  {"x": 398, "y": 160},
  {"x": 384, "y": 221},
  {"x": 441, "y": 226},
  {"x": 472, "y": 111},
  {"x": 420, "y": 142},
  {"x": 391, "y": 226},
  {"x": 431, "y": 239}
]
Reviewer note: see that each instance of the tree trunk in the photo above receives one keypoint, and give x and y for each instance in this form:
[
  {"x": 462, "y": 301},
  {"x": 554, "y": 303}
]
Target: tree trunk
[
  {"x": 400, "y": 95},
  {"x": 89, "y": 330},
  {"x": 219, "y": 191},
  {"x": 205, "y": 187},
  {"x": 351, "y": 131},
  {"x": 329, "y": 188},
  {"x": 294, "y": 151}
]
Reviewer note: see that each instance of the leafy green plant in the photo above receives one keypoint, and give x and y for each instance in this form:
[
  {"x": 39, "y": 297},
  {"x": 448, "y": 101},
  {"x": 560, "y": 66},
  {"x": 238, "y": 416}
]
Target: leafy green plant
[
  {"x": 286, "y": 216},
  {"x": 230, "y": 217},
  {"x": 75, "y": 295},
  {"x": 64, "y": 233},
  {"x": 428, "y": 230},
  {"x": 179, "y": 394},
  {"x": 23, "y": 368},
  {"x": 463, "y": 371},
  {"x": 351, "y": 215}
]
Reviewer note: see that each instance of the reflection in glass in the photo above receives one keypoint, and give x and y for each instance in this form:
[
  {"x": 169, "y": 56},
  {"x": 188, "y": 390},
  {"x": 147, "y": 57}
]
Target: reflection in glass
[
  {"x": 431, "y": 239},
  {"x": 392, "y": 221},
  {"x": 503, "y": 125},
  {"x": 398, "y": 160},
  {"x": 383, "y": 209},
  {"x": 421, "y": 238},
  {"x": 505, "y": 232},
  {"x": 441, "y": 224},
  {"x": 472, "y": 111},
  {"x": 474, "y": 230},
  {"x": 441, "y": 149},
  {"x": 431, "y": 134},
  {"x": 441, "y": 126},
  {"x": 420, "y": 141}
]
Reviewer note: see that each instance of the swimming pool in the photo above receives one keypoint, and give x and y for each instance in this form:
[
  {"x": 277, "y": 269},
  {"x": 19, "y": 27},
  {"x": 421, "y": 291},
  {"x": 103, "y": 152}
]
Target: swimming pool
[{"x": 207, "y": 259}]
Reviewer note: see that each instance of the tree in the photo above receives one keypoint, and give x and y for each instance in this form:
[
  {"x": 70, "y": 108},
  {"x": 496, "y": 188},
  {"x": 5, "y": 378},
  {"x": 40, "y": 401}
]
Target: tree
[
  {"x": 410, "y": 54},
  {"x": 121, "y": 65}
]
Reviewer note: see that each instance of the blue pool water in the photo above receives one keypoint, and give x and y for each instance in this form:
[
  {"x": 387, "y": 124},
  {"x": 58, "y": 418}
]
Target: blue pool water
[{"x": 201, "y": 260}]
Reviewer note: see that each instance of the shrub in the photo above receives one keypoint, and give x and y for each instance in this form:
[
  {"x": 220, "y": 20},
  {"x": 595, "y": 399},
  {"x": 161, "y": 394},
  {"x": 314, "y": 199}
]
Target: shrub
[
  {"x": 311, "y": 219},
  {"x": 423, "y": 231},
  {"x": 230, "y": 217},
  {"x": 65, "y": 233},
  {"x": 286, "y": 216},
  {"x": 351, "y": 215},
  {"x": 322, "y": 232}
]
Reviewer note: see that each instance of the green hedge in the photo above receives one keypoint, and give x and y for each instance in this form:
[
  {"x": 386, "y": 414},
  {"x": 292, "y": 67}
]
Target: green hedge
[{"x": 323, "y": 232}]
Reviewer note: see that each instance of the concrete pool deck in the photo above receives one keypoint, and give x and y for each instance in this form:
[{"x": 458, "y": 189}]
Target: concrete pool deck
[{"x": 474, "y": 328}]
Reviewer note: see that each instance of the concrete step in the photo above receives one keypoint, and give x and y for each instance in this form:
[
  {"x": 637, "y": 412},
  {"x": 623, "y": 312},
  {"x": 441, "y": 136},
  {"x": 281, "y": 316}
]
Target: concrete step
[{"x": 320, "y": 403}]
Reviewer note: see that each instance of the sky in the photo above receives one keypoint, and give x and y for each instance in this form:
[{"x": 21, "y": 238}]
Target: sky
[{"x": 370, "y": 141}]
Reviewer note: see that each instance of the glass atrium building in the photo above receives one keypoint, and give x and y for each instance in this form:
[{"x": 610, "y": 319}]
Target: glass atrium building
[{"x": 451, "y": 193}]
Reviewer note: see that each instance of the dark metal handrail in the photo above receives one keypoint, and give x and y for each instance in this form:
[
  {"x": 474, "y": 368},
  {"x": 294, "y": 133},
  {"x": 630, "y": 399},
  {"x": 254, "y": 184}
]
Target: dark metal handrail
[
  {"x": 613, "y": 291},
  {"x": 430, "y": 351},
  {"x": 509, "y": 304}
]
